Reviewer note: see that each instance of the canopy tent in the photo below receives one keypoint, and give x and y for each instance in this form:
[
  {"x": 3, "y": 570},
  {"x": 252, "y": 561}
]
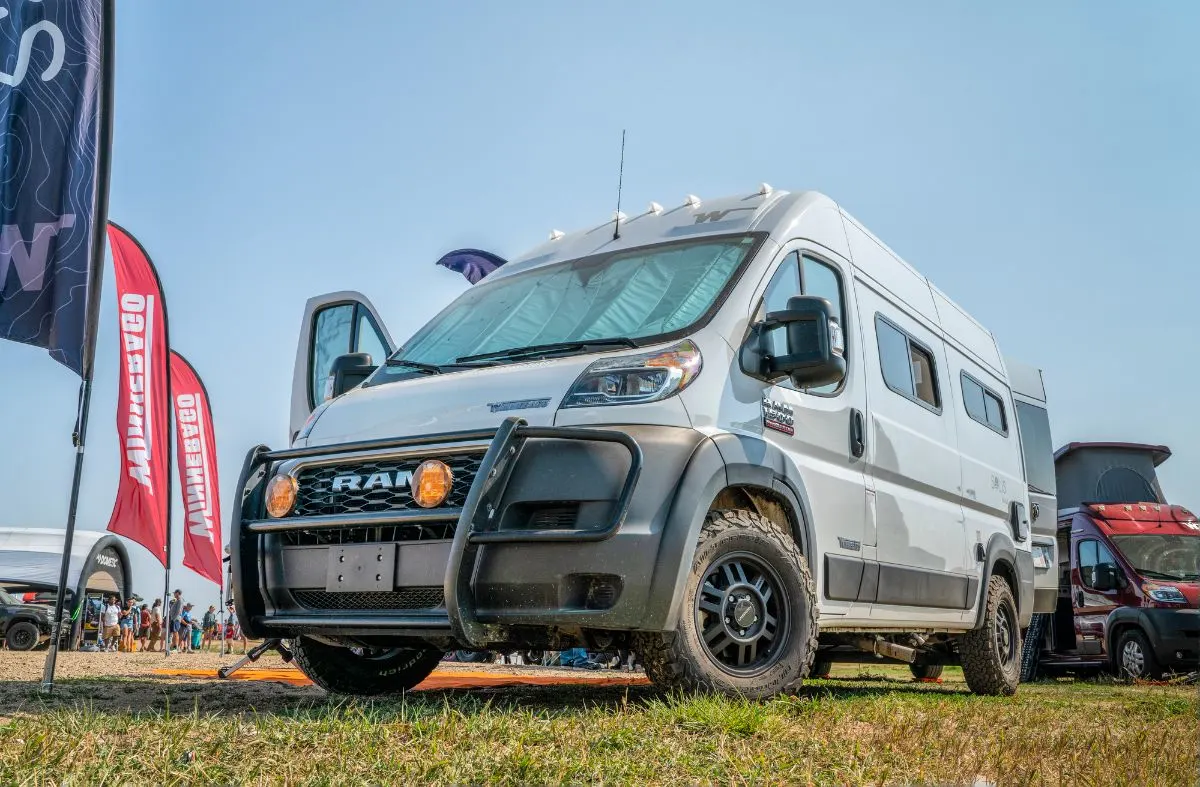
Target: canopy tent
[{"x": 30, "y": 559}]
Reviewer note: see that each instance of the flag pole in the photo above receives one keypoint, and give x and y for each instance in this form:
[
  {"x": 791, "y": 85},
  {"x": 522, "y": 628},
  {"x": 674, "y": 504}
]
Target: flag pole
[{"x": 90, "y": 324}]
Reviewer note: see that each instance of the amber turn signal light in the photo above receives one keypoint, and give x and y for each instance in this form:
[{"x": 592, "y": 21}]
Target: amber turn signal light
[
  {"x": 431, "y": 483},
  {"x": 281, "y": 495}
]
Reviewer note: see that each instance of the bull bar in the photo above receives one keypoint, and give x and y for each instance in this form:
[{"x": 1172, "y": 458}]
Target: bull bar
[{"x": 477, "y": 523}]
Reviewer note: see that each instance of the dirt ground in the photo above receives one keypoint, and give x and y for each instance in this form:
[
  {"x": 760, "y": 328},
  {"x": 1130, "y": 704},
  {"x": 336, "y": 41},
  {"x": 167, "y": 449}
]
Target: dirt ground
[{"x": 127, "y": 681}]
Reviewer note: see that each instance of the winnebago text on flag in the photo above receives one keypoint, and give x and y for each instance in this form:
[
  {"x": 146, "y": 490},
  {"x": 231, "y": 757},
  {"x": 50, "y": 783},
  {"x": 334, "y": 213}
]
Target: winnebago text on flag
[
  {"x": 144, "y": 494},
  {"x": 50, "y": 70},
  {"x": 196, "y": 458}
]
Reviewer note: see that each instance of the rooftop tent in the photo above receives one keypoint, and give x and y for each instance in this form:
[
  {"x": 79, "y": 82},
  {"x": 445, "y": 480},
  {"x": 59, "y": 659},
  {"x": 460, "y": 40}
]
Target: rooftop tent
[
  {"x": 30, "y": 558},
  {"x": 1108, "y": 473}
]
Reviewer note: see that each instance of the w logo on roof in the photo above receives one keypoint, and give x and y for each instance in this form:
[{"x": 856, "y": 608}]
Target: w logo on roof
[{"x": 717, "y": 215}]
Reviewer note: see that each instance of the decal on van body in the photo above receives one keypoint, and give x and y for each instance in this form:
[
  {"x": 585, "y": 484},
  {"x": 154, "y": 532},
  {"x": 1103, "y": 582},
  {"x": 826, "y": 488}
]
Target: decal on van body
[
  {"x": 518, "y": 404},
  {"x": 777, "y": 416}
]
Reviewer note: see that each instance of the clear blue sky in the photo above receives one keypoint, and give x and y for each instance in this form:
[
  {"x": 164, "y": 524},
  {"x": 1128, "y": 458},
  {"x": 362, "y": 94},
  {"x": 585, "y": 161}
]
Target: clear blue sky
[{"x": 1039, "y": 162}]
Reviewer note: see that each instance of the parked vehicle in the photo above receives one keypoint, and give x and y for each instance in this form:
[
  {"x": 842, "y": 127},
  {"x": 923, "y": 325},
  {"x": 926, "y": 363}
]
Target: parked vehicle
[
  {"x": 1129, "y": 570},
  {"x": 22, "y": 626},
  {"x": 687, "y": 433}
]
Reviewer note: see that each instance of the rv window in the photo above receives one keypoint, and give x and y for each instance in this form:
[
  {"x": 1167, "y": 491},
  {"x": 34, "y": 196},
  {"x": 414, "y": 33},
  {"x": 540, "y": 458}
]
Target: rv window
[
  {"x": 1037, "y": 447},
  {"x": 983, "y": 405},
  {"x": 1093, "y": 555},
  {"x": 908, "y": 368}
]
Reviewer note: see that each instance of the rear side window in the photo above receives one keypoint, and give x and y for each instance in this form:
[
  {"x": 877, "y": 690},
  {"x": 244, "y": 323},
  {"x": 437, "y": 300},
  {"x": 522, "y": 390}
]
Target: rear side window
[
  {"x": 908, "y": 366},
  {"x": 983, "y": 404},
  {"x": 1037, "y": 447}
]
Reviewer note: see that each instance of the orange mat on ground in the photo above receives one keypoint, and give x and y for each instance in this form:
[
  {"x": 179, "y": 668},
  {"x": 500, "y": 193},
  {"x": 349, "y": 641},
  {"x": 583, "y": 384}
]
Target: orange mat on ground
[{"x": 450, "y": 679}]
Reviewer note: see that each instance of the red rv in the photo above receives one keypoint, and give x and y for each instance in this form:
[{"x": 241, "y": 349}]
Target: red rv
[{"x": 1129, "y": 569}]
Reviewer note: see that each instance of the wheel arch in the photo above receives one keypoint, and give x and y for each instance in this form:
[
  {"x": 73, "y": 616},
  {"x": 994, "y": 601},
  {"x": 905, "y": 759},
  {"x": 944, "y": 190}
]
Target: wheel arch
[
  {"x": 1000, "y": 559},
  {"x": 1119, "y": 621},
  {"x": 726, "y": 470}
]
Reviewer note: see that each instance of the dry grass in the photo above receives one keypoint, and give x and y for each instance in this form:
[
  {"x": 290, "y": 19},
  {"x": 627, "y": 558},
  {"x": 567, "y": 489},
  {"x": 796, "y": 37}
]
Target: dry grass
[{"x": 887, "y": 730}]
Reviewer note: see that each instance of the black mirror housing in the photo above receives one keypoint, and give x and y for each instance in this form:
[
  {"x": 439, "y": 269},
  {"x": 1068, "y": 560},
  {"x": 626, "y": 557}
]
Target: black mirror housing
[
  {"x": 815, "y": 351},
  {"x": 350, "y": 370}
]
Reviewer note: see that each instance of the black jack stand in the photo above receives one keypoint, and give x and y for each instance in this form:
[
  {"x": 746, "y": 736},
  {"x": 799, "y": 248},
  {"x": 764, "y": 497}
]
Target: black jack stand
[{"x": 254, "y": 655}]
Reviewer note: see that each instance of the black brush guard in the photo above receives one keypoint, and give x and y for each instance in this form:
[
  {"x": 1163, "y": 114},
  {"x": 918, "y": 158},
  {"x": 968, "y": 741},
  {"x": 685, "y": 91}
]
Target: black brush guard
[{"x": 478, "y": 518}]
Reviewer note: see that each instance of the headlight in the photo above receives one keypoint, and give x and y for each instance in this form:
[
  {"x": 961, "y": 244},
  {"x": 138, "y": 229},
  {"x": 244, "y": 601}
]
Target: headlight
[
  {"x": 1043, "y": 556},
  {"x": 634, "y": 379},
  {"x": 281, "y": 495},
  {"x": 1166, "y": 593}
]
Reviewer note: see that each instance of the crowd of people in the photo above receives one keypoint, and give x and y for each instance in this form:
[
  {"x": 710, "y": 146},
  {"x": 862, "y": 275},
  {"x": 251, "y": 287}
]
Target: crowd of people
[{"x": 130, "y": 627}]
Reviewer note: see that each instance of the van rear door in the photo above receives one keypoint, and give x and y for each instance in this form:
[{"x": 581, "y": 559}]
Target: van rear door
[
  {"x": 1037, "y": 452},
  {"x": 334, "y": 324}
]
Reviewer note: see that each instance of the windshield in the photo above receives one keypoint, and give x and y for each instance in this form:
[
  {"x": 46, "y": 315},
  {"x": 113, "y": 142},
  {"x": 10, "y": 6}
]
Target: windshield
[
  {"x": 641, "y": 294},
  {"x": 1161, "y": 556},
  {"x": 8, "y": 598}
]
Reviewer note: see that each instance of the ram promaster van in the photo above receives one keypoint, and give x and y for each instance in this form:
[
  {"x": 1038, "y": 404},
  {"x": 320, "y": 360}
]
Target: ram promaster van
[
  {"x": 1129, "y": 570},
  {"x": 736, "y": 436}
]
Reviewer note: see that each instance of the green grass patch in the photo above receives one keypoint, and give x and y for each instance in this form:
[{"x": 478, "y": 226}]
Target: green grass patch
[{"x": 833, "y": 732}]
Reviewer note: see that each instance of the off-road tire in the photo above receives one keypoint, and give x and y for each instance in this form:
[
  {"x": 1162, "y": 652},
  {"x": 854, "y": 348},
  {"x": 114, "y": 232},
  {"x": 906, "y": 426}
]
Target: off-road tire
[
  {"x": 926, "y": 671},
  {"x": 679, "y": 659},
  {"x": 1031, "y": 649},
  {"x": 22, "y": 635},
  {"x": 341, "y": 671},
  {"x": 1151, "y": 670},
  {"x": 986, "y": 672},
  {"x": 820, "y": 668}
]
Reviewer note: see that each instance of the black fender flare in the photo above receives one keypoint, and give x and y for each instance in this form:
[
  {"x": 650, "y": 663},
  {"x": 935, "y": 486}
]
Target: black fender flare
[
  {"x": 1123, "y": 618},
  {"x": 719, "y": 462},
  {"x": 1000, "y": 547},
  {"x": 245, "y": 563}
]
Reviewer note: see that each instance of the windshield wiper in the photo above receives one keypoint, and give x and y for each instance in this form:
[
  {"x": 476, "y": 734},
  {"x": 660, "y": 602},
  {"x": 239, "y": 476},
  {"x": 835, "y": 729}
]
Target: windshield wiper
[
  {"x": 433, "y": 368},
  {"x": 1146, "y": 572},
  {"x": 538, "y": 349}
]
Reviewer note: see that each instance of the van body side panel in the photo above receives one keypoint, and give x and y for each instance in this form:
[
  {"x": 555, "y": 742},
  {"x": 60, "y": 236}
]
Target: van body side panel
[{"x": 915, "y": 470}]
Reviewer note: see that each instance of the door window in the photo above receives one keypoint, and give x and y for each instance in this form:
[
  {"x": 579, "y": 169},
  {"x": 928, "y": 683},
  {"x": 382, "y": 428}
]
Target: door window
[
  {"x": 809, "y": 277},
  {"x": 337, "y": 330},
  {"x": 908, "y": 367},
  {"x": 983, "y": 405},
  {"x": 332, "y": 332},
  {"x": 1095, "y": 560}
]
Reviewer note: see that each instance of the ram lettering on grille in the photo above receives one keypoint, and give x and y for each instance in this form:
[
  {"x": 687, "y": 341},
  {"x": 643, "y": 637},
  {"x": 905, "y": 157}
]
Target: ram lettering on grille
[{"x": 375, "y": 485}]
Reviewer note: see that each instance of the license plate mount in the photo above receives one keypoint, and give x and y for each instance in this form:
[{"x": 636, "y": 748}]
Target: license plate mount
[{"x": 356, "y": 568}]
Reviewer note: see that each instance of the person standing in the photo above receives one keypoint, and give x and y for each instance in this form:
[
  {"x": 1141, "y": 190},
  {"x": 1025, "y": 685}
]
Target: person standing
[
  {"x": 174, "y": 613},
  {"x": 233, "y": 629},
  {"x": 110, "y": 619},
  {"x": 143, "y": 627},
  {"x": 156, "y": 623},
  {"x": 184, "y": 635},
  {"x": 209, "y": 625}
]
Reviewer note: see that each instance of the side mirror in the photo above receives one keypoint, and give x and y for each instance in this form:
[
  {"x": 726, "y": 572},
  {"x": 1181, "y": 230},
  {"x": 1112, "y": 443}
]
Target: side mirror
[
  {"x": 815, "y": 346},
  {"x": 1107, "y": 578},
  {"x": 346, "y": 372}
]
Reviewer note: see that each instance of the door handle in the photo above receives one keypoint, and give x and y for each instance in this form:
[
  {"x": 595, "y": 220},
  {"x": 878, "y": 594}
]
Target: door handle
[
  {"x": 858, "y": 439},
  {"x": 1079, "y": 598}
]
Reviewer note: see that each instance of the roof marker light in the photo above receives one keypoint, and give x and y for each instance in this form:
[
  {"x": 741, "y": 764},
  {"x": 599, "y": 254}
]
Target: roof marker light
[
  {"x": 656, "y": 209},
  {"x": 765, "y": 189},
  {"x": 556, "y": 234},
  {"x": 692, "y": 201},
  {"x": 619, "y": 216}
]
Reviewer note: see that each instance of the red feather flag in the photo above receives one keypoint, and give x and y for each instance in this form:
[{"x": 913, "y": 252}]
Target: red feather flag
[
  {"x": 142, "y": 507},
  {"x": 196, "y": 458}
]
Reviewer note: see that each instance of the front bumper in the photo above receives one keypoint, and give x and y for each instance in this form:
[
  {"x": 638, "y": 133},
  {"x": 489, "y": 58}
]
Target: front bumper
[
  {"x": 491, "y": 579},
  {"x": 1174, "y": 636}
]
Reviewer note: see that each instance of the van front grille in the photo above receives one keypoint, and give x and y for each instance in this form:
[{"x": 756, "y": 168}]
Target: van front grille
[{"x": 375, "y": 485}]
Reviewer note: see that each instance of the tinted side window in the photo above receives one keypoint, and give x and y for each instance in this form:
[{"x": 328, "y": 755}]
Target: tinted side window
[
  {"x": 331, "y": 338},
  {"x": 823, "y": 281},
  {"x": 908, "y": 368},
  {"x": 1092, "y": 556},
  {"x": 1037, "y": 447},
  {"x": 893, "y": 357},
  {"x": 984, "y": 405},
  {"x": 784, "y": 284}
]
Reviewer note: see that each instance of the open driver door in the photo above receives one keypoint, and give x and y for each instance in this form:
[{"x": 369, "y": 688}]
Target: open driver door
[{"x": 334, "y": 324}]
